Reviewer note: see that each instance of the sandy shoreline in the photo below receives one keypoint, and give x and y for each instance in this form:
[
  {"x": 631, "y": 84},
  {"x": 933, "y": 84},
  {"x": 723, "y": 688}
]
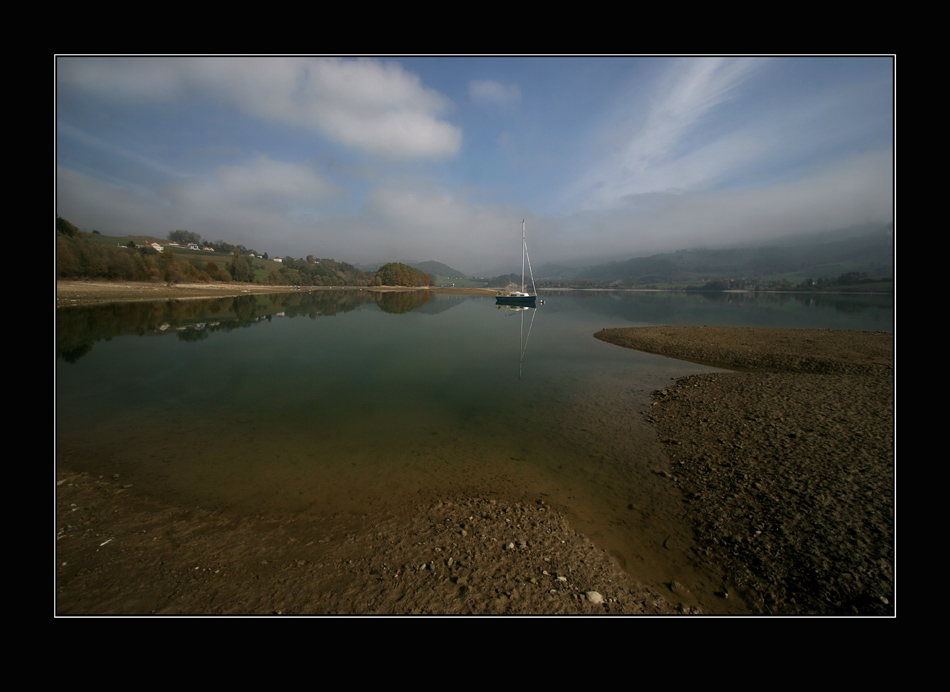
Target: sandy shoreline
[
  {"x": 786, "y": 470},
  {"x": 70, "y": 293}
]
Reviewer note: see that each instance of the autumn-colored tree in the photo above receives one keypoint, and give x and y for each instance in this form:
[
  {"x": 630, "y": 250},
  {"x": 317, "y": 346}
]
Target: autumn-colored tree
[{"x": 399, "y": 274}]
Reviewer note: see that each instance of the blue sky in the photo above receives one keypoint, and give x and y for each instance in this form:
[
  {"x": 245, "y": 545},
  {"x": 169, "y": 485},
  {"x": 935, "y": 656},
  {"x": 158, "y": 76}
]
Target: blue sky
[{"x": 381, "y": 159}]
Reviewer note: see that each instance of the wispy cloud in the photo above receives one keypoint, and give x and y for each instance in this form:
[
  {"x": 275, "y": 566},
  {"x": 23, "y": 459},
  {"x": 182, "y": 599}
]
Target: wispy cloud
[
  {"x": 487, "y": 92},
  {"x": 652, "y": 143},
  {"x": 107, "y": 147}
]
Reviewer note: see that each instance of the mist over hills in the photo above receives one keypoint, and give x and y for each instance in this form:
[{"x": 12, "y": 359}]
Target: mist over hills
[
  {"x": 866, "y": 248},
  {"x": 438, "y": 269}
]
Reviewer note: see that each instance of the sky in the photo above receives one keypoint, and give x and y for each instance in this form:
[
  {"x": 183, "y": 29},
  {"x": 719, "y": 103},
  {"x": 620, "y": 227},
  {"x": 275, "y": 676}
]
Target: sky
[{"x": 378, "y": 159}]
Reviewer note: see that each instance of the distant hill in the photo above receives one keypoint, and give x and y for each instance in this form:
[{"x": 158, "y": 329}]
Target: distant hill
[
  {"x": 437, "y": 269},
  {"x": 867, "y": 249},
  {"x": 559, "y": 272}
]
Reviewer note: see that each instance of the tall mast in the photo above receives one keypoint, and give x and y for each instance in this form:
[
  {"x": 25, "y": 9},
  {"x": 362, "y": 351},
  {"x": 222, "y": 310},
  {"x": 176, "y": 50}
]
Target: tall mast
[{"x": 524, "y": 247}]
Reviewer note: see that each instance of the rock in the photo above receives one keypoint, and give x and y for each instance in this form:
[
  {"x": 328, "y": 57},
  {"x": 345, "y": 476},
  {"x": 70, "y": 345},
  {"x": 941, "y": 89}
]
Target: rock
[{"x": 678, "y": 589}]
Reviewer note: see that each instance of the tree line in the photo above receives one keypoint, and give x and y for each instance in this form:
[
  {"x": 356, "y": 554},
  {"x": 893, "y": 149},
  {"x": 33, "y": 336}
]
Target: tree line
[
  {"x": 79, "y": 257},
  {"x": 311, "y": 271}
]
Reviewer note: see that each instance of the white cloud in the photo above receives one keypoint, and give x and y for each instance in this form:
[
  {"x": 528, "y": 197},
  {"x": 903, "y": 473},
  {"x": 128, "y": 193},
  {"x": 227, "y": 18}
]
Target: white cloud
[
  {"x": 126, "y": 79},
  {"x": 272, "y": 183},
  {"x": 372, "y": 106},
  {"x": 421, "y": 220},
  {"x": 246, "y": 202},
  {"x": 486, "y": 92}
]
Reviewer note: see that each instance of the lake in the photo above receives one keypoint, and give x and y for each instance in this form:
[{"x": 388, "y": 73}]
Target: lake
[{"x": 356, "y": 401}]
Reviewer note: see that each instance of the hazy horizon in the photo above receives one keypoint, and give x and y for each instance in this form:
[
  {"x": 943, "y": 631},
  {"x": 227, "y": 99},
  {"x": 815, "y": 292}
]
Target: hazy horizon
[{"x": 440, "y": 159}]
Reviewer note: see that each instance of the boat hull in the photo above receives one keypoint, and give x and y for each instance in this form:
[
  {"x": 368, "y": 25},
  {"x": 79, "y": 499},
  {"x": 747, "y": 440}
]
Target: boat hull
[{"x": 516, "y": 300}]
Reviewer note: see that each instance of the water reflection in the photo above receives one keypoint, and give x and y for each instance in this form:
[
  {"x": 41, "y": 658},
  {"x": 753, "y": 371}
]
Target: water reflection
[
  {"x": 79, "y": 328},
  {"x": 401, "y": 302},
  {"x": 738, "y": 309},
  {"x": 519, "y": 311}
]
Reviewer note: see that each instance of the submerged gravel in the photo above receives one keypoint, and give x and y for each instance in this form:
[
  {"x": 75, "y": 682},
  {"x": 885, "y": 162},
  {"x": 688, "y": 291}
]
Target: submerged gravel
[{"x": 120, "y": 551}]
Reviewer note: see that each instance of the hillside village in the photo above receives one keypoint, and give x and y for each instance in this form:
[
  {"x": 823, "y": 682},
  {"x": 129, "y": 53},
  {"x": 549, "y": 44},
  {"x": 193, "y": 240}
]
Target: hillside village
[{"x": 202, "y": 248}]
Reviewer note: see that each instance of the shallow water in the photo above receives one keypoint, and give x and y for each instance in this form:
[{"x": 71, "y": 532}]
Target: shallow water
[{"x": 353, "y": 401}]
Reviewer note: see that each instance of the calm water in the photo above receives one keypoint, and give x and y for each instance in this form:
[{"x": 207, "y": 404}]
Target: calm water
[{"x": 354, "y": 401}]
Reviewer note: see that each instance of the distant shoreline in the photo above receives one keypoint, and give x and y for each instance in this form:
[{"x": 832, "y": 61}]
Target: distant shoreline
[{"x": 72, "y": 293}]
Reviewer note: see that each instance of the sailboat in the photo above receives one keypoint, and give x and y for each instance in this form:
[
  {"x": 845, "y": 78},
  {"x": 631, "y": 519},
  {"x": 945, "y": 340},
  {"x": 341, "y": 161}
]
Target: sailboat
[{"x": 521, "y": 297}]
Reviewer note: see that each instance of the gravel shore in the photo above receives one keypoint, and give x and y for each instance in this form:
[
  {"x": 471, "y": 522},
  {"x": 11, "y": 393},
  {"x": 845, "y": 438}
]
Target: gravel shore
[
  {"x": 787, "y": 465},
  {"x": 121, "y": 552}
]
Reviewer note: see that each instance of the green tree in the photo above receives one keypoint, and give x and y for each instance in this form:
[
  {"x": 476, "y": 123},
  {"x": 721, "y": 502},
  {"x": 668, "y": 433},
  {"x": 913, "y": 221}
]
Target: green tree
[
  {"x": 169, "y": 267},
  {"x": 66, "y": 228},
  {"x": 239, "y": 267},
  {"x": 184, "y": 237}
]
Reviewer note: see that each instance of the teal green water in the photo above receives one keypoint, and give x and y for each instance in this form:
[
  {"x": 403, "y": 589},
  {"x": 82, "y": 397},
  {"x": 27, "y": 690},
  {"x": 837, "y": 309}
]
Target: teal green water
[{"x": 352, "y": 401}]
